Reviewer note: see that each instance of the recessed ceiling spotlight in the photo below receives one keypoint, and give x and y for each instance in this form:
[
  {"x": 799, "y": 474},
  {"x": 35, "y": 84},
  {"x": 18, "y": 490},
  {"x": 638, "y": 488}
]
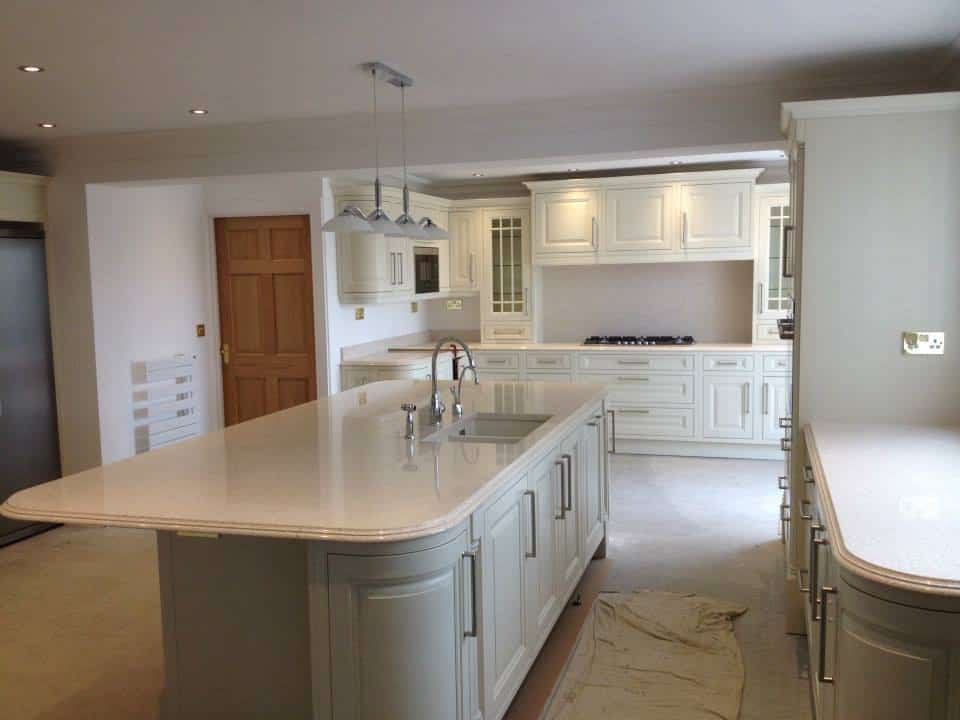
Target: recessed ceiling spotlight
[
  {"x": 478, "y": 174},
  {"x": 198, "y": 111},
  {"x": 573, "y": 169},
  {"x": 676, "y": 162},
  {"x": 47, "y": 125},
  {"x": 30, "y": 68}
]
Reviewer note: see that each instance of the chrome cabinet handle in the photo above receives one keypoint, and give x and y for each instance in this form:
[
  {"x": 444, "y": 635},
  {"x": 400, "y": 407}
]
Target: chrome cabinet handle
[
  {"x": 812, "y": 563},
  {"x": 400, "y": 263},
  {"x": 495, "y": 361},
  {"x": 782, "y": 483},
  {"x": 593, "y": 232},
  {"x": 726, "y": 363},
  {"x": 808, "y": 475},
  {"x": 805, "y": 515},
  {"x": 633, "y": 379},
  {"x": 568, "y": 459},
  {"x": 766, "y": 399},
  {"x": 472, "y": 632},
  {"x": 800, "y": 574},
  {"x": 470, "y": 268},
  {"x": 822, "y": 670},
  {"x": 563, "y": 492},
  {"x": 533, "y": 524},
  {"x": 787, "y": 233},
  {"x": 815, "y": 543},
  {"x": 683, "y": 234},
  {"x": 629, "y": 411},
  {"x": 760, "y": 303},
  {"x": 613, "y": 432},
  {"x": 526, "y": 305},
  {"x": 746, "y": 401},
  {"x": 785, "y": 512},
  {"x": 541, "y": 361},
  {"x": 786, "y": 423},
  {"x": 393, "y": 268},
  {"x": 785, "y": 444},
  {"x": 633, "y": 362}
]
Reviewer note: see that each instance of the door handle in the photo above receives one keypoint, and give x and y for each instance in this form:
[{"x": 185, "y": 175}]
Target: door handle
[
  {"x": 472, "y": 632},
  {"x": 613, "y": 432},
  {"x": 822, "y": 670},
  {"x": 766, "y": 400},
  {"x": 683, "y": 233},
  {"x": 568, "y": 459},
  {"x": 746, "y": 398},
  {"x": 787, "y": 233},
  {"x": 533, "y": 524},
  {"x": 593, "y": 232},
  {"x": 225, "y": 353},
  {"x": 563, "y": 492}
]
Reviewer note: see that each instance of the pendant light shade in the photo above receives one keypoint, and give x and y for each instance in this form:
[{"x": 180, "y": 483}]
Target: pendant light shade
[
  {"x": 350, "y": 220},
  {"x": 381, "y": 223},
  {"x": 432, "y": 230}
]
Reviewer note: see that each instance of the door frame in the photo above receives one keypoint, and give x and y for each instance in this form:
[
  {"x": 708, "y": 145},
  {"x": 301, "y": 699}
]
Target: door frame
[{"x": 318, "y": 259}]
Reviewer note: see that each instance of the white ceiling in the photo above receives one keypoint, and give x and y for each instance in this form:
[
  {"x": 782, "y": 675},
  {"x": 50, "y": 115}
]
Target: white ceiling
[{"x": 118, "y": 65}]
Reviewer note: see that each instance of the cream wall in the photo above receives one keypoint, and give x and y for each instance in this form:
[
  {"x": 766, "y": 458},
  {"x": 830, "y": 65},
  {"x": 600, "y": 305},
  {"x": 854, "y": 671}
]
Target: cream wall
[
  {"x": 709, "y": 300},
  {"x": 149, "y": 265}
]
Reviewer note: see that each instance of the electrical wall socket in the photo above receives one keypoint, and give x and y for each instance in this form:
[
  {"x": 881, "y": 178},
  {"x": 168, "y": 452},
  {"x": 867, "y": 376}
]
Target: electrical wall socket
[
  {"x": 358, "y": 314},
  {"x": 455, "y": 304},
  {"x": 414, "y": 307},
  {"x": 923, "y": 342}
]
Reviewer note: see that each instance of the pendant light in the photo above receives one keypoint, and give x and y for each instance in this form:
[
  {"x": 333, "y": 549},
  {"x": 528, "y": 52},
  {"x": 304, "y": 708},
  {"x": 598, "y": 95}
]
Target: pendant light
[
  {"x": 405, "y": 222},
  {"x": 351, "y": 218}
]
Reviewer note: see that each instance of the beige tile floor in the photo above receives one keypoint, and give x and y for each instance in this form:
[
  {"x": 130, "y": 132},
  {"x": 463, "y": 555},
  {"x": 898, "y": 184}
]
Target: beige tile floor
[{"x": 80, "y": 619}]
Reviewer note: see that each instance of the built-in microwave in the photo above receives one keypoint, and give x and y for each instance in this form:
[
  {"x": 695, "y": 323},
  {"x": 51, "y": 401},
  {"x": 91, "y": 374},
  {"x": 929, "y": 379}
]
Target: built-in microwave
[{"x": 426, "y": 265}]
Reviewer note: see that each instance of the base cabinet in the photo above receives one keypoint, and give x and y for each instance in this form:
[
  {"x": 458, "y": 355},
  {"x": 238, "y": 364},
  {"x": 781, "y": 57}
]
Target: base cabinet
[{"x": 383, "y": 606}]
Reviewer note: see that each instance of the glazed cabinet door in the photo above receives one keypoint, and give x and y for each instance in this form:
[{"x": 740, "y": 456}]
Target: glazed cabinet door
[
  {"x": 542, "y": 589},
  {"x": 465, "y": 249},
  {"x": 774, "y": 291},
  {"x": 504, "y": 642},
  {"x": 385, "y": 610},
  {"x": 715, "y": 215},
  {"x": 639, "y": 220},
  {"x": 506, "y": 274},
  {"x": 592, "y": 472},
  {"x": 727, "y": 406},
  {"x": 566, "y": 222}
]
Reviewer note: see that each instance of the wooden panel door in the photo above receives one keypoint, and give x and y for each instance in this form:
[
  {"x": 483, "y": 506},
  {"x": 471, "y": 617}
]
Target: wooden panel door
[{"x": 265, "y": 284}]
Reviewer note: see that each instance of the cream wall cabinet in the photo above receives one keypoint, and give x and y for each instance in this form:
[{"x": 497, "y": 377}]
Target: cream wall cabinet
[
  {"x": 672, "y": 217},
  {"x": 23, "y": 198},
  {"x": 715, "y": 215},
  {"x": 773, "y": 292},
  {"x": 507, "y": 276},
  {"x": 639, "y": 219},
  {"x": 566, "y": 222},
  {"x": 465, "y": 250}
]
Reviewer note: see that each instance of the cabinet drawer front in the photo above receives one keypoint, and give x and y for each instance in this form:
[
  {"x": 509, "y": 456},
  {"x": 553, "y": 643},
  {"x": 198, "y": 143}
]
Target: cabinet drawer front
[
  {"x": 552, "y": 376},
  {"x": 493, "y": 375},
  {"x": 634, "y": 362},
  {"x": 726, "y": 362},
  {"x": 506, "y": 333},
  {"x": 632, "y": 389},
  {"x": 654, "y": 422},
  {"x": 767, "y": 331},
  {"x": 497, "y": 360},
  {"x": 548, "y": 361},
  {"x": 777, "y": 362}
]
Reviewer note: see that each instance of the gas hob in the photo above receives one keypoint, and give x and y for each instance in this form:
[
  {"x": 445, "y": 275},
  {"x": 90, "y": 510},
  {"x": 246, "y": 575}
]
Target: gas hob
[{"x": 639, "y": 340}]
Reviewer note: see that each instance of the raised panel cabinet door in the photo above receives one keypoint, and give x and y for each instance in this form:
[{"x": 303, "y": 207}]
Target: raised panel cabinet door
[
  {"x": 506, "y": 274},
  {"x": 566, "y": 222},
  {"x": 727, "y": 406},
  {"x": 265, "y": 286},
  {"x": 592, "y": 473},
  {"x": 541, "y": 587},
  {"x": 639, "y": 220},
  {"x": 569, "y": 531},
  {"x": 715, "y": 215},
  {"x": 504, "y": 642},
  {"x": 465, "y": 249},
  {"x": 775, "y": 398},
  {"x": 386, "y": 610}
]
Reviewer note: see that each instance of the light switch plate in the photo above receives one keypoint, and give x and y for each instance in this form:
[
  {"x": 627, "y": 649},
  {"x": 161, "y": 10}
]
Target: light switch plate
[
  {"x": 414, "y": 307},
  {"x": 358, "y": 314},
  {"x": 923, "y": 342}
]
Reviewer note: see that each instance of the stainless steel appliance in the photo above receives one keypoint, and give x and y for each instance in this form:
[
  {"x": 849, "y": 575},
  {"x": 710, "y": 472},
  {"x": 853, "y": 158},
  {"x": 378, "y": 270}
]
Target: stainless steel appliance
[
  {"x": 29, "y": 448},
  {"x": 426, "y": 266},
  {"x": 639, "y": 340}
]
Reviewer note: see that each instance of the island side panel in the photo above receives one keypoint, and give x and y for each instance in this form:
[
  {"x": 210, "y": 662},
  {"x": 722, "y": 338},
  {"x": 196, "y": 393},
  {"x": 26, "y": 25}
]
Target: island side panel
[{"x": 236, "y": 627}]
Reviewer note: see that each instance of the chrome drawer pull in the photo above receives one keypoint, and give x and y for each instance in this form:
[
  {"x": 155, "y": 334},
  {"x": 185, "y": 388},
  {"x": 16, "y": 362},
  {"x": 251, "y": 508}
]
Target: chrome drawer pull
[
  {"x": 786, "y": 423},
  {"x": 822, "y": 670},
  {"x": 472, "y": 632},
  {"x": 613, "y": 432},
  {"x": 566, "y": 457},
  {"x": 808, "y": 515},
  {"x": 563, "y": 491},
  {"x": 808, "y": 475},
  {"x": 634, "y": 412},
  {"x": 633, "y": 379},
  {"x": 782, "y": 483},
  {"x": 785, "y": 444},
  {"x": 633, "y": 362},
  {"x": 533, "y": 523}
]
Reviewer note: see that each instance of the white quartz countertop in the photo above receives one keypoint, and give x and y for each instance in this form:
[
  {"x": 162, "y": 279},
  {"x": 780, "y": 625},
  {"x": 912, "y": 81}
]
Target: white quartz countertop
[
  {"x": 335, "y": 469},
  {"x": 893, "y": 492},
  {"x": 569, "y": 347}
]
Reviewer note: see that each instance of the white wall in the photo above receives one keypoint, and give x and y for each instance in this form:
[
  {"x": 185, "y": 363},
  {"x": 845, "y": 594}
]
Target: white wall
[
  {"x": 881, "y": 254},
  {"x": 149, "y": 268},
  {"x": 710, "y": 300}
]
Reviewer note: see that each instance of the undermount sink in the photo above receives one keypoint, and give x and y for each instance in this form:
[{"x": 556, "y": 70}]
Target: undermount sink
[{"x": 489, "y": 428}]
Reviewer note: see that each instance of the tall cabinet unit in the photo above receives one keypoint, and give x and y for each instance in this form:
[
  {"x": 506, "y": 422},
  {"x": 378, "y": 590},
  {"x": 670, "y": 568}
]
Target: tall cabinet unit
[
  {"x": 507, "y": 274},
  {"x": 465, "y": 250},
  {"x": 773, "y": 291}
]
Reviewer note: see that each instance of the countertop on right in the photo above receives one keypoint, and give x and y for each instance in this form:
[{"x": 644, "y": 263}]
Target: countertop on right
[
  {"x": 894, "y": 493},
  {"x": 580, "y": 347}
]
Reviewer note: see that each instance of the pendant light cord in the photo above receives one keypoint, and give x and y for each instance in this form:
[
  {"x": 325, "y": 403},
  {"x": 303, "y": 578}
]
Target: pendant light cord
[{"x": 403, "y": 133}]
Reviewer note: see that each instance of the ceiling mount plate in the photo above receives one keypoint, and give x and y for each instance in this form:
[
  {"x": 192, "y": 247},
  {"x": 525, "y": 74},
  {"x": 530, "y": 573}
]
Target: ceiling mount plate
[{"x": 387, "y": 73}]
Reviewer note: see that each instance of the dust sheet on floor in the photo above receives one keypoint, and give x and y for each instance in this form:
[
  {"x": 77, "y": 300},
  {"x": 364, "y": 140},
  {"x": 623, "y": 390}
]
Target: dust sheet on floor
[{"x": 656, "y": 656}]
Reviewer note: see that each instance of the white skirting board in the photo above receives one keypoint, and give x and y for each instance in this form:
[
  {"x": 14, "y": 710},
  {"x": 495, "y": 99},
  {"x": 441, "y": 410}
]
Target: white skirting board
[{"x": 164, "y": 409}]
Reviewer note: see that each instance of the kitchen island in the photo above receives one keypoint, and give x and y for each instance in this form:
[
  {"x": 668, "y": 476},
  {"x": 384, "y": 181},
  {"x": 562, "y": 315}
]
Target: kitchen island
[{"x": 316, "y": 563}]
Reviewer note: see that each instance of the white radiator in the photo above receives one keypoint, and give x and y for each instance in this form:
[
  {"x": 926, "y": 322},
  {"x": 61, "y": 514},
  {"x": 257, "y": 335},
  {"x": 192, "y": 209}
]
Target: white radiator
[{"x": 163, "y": 402}]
